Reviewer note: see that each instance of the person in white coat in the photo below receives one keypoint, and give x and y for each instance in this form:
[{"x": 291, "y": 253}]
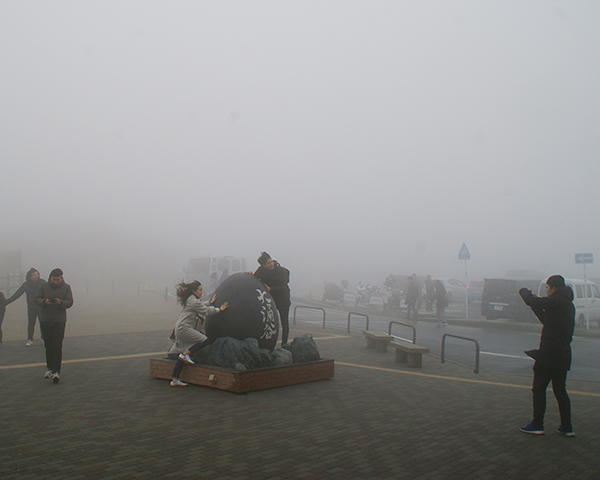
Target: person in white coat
[{"x": 187, "y": 334}]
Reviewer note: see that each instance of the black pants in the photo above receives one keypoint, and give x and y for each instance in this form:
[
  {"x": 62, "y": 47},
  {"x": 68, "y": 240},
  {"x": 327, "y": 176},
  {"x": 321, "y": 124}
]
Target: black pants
[
  {"x": 53, "y": 334},
  {"x": 284, "y": 313},
  {"x": 542, "y": 375},
  {"x": 33, "y": 313},
  {"x": 193, "y": 349}
]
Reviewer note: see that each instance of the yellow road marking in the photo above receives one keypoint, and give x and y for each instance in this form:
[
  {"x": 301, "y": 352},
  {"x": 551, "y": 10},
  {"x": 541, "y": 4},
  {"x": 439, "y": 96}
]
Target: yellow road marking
[
  {"x": 345, "y": 364},
  {"x": 455, "y": 379},
  {"x": 83, "y": 360}
]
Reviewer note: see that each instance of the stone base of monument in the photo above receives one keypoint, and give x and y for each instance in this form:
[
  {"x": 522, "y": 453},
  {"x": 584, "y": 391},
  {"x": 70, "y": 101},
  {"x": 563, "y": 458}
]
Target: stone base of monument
[{"x": 248, "y": 381}]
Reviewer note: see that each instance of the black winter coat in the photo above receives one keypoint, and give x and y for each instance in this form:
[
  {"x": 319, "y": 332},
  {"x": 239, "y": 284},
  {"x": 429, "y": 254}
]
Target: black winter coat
[
  {"x": 2, "y": 304},
  {"x": 54, "y": 313},
  {"x": 277, "y": 281},
  {"x": 557, "y": 314},
  {"x": 30, "y": 289}
]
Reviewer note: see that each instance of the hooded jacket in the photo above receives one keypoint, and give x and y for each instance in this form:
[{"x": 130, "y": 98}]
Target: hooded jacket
[
  {"x": 557, "y": 314},
  {"x": 54, "y": 313},
  {"x": 30, "y": 289},
  {"x": 277, "y": 280}
]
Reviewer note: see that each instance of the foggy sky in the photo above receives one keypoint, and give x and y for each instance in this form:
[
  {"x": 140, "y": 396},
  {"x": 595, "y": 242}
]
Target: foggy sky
[{"x": 348, "y": 139}]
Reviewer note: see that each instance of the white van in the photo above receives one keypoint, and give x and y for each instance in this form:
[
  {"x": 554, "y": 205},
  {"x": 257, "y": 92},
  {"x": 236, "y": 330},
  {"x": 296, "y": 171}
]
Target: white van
[
  {"x": 202, "y": 268},
  {"x": 586, "y": 302}
]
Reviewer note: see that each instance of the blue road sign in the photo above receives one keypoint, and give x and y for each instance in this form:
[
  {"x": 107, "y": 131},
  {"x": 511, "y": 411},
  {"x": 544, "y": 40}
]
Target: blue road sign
[
  {"x": 464, "y": 253},
  {"x": 584, "y": 258}
]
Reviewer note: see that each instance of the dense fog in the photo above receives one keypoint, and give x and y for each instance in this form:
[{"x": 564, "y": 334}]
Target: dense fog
[{"x": 348, "y": 139}]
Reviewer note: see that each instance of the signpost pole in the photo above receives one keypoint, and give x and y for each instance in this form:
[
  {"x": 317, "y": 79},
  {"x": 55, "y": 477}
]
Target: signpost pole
[
  {"x": 585, "y": 289},
  {"x": 584, "y": 258},
  {"x": 465, "y": 255},
  {"x": 466, "y": 293}
]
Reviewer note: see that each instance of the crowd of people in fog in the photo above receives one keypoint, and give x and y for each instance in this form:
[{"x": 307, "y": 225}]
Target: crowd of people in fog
[{"x": 48, "y": 302}]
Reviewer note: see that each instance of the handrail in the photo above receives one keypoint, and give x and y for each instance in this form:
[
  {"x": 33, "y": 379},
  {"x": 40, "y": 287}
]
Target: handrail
[
  {"x": 406, "y": 325},
  {"x": 310, "y": 308},
  {"x": 360, "y": 315},
  {"x": 443, "y": 360}
]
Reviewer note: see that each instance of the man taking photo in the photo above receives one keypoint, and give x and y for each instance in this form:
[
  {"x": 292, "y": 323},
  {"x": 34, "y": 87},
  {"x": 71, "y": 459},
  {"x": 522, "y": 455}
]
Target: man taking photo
[{"x": 553, "y": 358}]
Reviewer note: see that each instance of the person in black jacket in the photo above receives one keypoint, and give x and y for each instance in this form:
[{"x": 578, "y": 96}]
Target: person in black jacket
[
  {"x": 2, "y": 312},
  {"x": 54, "y": 297},
  {"x": 30, "y": 288},
  {"x": 440, "y": 297},
  {"x": 276, "y": 279},
  {"x": 553, "y": 358}
]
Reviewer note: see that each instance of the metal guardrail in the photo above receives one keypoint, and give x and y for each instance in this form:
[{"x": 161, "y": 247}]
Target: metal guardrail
[
  {"x": 477, "y": 349},
  {"x": 309, "y": 308},
  {"x": 360, "y": 315},
  {"x": 393, "y": 322}
]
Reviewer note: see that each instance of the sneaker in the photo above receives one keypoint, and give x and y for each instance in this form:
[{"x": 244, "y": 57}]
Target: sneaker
[
  {"x": 178, "y": 383},
  {"x": 29, "y": 343},
  {"x": 48, "y": 374},
  {"x": 533, "y": 430},
  {"x": 186, "y": 359},
  {"x": 567, "y": 432},
  {"x": 55, "y": 377}
]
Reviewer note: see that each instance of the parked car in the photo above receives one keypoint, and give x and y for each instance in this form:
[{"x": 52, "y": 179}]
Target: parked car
[
  {"x": 586, "y": 302},
  {"x": 475, "y": 290},
  {"x": 501, "y": 299},
  {"x": 455, "y": 289}
]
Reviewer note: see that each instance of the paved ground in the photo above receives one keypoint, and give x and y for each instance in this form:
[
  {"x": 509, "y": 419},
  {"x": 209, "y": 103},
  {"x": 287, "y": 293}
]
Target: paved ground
[{"x": 375, "y": 420}]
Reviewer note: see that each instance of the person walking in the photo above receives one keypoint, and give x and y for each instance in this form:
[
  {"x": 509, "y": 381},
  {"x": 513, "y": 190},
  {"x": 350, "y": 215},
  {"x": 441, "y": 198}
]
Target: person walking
[
  {"x": 440, "y": 297},
  {"x": 556, "y": 312},
  {"x": 54, "y": 297},
  {"x": 429, "y": 292},
  {"x": 30, "y": 288},
  {"x": 188, "y": 333},
  {"x": 276, "y": 278},
  {"x": 412, "y": 295}
]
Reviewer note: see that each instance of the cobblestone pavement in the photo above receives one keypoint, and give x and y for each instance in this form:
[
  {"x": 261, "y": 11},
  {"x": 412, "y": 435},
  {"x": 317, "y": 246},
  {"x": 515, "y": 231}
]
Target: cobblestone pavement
[{"x": 107, "y": 419}]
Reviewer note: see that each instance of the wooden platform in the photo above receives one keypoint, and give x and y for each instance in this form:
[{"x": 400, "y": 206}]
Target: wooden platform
[{"x": 248, "y": 381}]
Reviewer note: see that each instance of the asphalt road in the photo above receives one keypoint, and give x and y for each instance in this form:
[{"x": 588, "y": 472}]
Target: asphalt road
[{"x": 501, "y": 343}]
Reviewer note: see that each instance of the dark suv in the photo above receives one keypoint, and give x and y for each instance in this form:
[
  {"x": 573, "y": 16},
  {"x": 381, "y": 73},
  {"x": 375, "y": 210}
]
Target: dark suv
[{"x": 501, "y": 299}]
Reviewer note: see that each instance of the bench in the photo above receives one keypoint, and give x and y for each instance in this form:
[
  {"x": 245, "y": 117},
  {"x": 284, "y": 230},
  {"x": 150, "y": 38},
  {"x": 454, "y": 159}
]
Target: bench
[
  {"x": 409, "y": 353},
  {"x": 377, "y": 340}
]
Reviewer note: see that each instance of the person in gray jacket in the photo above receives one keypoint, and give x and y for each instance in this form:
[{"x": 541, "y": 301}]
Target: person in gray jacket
[
  {"x": 187, "y": 334},
  {"x": 30, "y": 288},
  {"x": 54, "y": 298}
]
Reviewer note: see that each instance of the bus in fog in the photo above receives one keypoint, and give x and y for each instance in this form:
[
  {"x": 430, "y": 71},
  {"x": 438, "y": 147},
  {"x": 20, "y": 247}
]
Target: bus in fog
[{"x": 202, "y": 268}]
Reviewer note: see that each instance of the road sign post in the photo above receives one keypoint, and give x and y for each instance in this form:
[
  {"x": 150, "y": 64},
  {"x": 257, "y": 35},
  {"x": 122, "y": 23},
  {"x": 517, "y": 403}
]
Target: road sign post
[
  {"x": 585, "y": 258},
  {"x": 465, "y": 255}
]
